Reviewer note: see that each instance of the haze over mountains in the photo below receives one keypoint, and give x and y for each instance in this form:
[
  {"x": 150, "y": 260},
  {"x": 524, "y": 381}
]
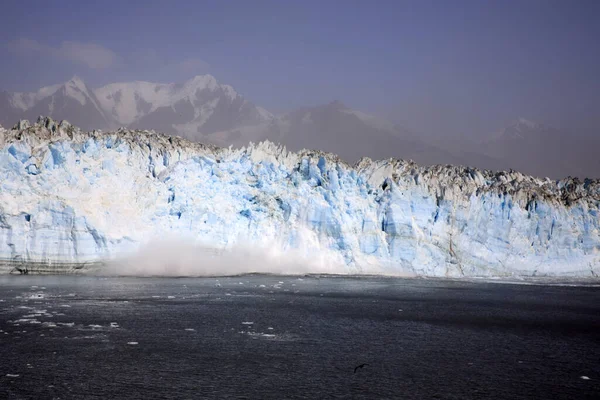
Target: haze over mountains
[{"x": 203, "y": 110}]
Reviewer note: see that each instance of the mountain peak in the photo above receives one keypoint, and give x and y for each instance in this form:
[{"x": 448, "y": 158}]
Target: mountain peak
[
  {"x": 522, "y": 128},
  {"x": 525, "y": 123},
  {"x": 202, "y": 82},
  {"x": 337, "y": 104},
  {"x": 76, "y": 83},
  {"x": 75, "y": 79}
]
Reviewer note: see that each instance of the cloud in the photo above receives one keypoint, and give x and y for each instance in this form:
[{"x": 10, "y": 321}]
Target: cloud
[
  {"x": 150, "y": 63},
  {"x": 25, "y": 45},
  {"x": 139, "y": 64},
  {"x": 192, "y": 66},
  {"x": 92, "y": 55},
  {"x": 145, "y": 56}
]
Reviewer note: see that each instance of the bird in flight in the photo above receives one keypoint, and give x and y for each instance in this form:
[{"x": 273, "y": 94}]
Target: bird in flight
[{"x": 358, "y": 367}]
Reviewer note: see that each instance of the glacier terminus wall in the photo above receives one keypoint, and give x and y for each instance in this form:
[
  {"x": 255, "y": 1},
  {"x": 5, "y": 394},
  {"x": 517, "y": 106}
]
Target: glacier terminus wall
[{"x": 71, "y": 197}]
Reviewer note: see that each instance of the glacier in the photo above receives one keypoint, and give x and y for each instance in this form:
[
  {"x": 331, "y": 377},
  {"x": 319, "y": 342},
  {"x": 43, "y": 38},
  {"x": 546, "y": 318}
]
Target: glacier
[{"x": 69, "y": 197}]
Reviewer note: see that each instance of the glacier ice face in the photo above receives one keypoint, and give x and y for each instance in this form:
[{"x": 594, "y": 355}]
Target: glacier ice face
[{"x": 68, "y": 196}]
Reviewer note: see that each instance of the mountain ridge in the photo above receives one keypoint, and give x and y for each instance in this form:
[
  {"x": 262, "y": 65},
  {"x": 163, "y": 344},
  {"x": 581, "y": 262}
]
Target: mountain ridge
[{"x": 202, "y": 109}]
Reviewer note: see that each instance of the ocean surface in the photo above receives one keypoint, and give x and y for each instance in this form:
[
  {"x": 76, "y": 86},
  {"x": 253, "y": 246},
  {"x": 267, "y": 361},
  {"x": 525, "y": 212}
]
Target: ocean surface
[{"x": 281, "y": 337}]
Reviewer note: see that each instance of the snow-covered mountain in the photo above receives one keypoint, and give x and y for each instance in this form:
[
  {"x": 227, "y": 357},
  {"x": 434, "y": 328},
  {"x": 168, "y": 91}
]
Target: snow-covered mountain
[
  {"x": 68, "y": 198},
  {"x": 542, "y": 150},
  {"x": 203, "y": 110},
  {"x": 193, "y": 109},
  {"x": 199, "y": 107},
  {"x": 9, "y": 114},
  {"x": 353, "y": 134},
  {"x": 72, "y": 98}
]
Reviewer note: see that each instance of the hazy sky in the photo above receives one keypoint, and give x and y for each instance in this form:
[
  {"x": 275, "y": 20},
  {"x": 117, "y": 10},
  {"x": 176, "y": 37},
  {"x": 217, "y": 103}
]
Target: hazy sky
[{"x": 435, "y": 66}]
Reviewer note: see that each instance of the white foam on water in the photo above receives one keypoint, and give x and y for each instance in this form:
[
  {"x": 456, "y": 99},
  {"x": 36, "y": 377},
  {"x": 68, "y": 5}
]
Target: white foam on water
[{"x": 20, "y": 321}]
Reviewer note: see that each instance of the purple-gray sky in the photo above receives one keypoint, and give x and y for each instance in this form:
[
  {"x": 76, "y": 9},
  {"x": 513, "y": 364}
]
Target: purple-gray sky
[{"x": 445, "y": 67}]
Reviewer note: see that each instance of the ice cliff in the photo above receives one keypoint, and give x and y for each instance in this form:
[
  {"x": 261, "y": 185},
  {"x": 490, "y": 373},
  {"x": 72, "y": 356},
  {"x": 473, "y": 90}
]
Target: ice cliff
[{"x": 68, "y": 196}]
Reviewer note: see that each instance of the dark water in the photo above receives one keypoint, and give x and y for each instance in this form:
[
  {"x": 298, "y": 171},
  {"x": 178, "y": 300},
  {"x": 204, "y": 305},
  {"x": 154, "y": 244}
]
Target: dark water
[{"x": 301, "y": 338}]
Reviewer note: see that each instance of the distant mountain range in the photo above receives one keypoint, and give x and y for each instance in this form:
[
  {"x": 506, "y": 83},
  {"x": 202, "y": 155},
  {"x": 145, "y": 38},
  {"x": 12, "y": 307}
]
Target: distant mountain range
[
  {"x": 203, "y": 110},
  {"x": 543, "y": 150}
]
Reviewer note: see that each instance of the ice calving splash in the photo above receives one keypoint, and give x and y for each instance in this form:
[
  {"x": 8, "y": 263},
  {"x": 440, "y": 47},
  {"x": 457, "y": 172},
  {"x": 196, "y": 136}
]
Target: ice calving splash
[{"x": 183, "y": 257}]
